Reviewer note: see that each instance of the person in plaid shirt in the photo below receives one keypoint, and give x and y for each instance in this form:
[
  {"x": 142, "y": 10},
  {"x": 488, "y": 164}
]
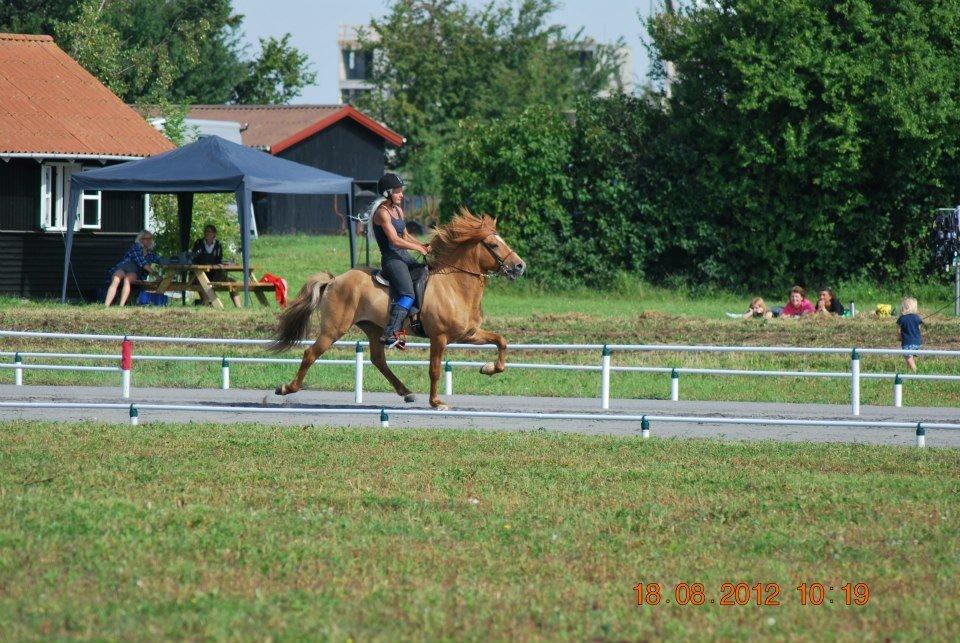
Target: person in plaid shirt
[{"x": 134, "y": 265}]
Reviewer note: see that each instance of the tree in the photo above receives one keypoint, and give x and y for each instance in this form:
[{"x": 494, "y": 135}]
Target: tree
[
  {"x": 565, "y": 191},
  {"x": 805, "y": 140},
  {"x": 277, "y": 76},
  {"x": 438, "y": 62},
  {"x": 156, "y": 51},
  {"x": 35, "y": 16},
  {"x": 516, "y": 170}
]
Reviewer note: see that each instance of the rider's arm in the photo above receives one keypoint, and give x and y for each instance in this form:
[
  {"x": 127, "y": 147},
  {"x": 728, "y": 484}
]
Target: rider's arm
[
  {"x": 382, "y": 219},
  {"x": 410, "y": 237}
]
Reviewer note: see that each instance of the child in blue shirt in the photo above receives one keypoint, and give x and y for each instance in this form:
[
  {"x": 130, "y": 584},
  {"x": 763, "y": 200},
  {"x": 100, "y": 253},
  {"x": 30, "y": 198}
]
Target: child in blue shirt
[{"x": 908, "y": 329}]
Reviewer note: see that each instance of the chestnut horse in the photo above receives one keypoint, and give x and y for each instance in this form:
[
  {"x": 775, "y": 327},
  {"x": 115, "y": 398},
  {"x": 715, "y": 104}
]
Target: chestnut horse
[{"x": 463, "y": 253}]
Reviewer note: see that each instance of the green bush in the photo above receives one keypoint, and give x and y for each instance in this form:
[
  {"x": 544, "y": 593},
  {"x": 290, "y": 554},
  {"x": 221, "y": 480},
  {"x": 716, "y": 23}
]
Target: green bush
[
  {"x": 607, "y": 206},
  {"x": 516, "y": 170},
  {"x": 803, "y": 141}
]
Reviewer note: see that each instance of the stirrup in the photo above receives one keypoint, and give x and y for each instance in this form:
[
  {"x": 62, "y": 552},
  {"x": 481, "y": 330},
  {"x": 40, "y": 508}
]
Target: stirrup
[{"x": 398, "y": 341}]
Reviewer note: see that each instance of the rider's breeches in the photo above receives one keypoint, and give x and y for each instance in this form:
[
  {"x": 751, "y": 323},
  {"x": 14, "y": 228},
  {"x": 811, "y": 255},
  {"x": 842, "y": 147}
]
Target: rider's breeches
[{"x": 398, "y": 274}]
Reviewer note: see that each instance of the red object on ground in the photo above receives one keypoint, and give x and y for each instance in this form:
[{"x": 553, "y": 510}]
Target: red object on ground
[
  {"x": 279, "y": 288},
  {"x": 126, "y": 355}
]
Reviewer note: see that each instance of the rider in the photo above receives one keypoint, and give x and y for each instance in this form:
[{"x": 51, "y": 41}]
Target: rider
[{"x": 394, "y": 240}]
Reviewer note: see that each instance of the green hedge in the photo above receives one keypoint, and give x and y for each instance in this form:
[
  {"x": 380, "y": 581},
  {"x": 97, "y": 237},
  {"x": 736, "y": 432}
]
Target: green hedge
[{"x": 804, "y": 141}]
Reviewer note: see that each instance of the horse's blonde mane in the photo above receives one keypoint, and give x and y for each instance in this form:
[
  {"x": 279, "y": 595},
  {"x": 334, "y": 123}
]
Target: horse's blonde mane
[{"x": 463, "y": 229}]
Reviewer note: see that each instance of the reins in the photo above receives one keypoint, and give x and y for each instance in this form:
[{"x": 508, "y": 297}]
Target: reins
[
  {"x": 459, "y": 269},
  {"x": 480, "y": 275}
]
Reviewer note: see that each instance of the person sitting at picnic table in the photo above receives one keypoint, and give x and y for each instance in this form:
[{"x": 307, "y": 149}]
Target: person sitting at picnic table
[
  {"x": 829, "y": 302},
  {"x": 134, "y": 266},
  {"x": 797, "y": 305},
  {"x": 208, "y": 252}
]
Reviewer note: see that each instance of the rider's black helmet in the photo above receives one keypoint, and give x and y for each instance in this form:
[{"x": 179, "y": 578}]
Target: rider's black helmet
[{"x": 388, "y": 182}]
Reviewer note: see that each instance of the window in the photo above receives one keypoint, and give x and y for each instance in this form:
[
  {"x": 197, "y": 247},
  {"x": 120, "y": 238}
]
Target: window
[
  {"x": 47, "y": 217},
  {"x": 55, "y": 193},
  {"x": 357, "y": 64},
  {"x": 90, "y": 207}
]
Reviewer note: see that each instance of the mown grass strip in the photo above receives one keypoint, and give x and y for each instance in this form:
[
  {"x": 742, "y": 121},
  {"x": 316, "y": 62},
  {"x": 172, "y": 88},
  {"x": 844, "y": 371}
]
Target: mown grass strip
[{"x": 222, "y": 531}]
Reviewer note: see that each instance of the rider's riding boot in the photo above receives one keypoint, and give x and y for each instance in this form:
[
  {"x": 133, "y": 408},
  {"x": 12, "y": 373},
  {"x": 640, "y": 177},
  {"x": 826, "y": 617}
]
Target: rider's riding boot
[{"x": 393, "y": 336}]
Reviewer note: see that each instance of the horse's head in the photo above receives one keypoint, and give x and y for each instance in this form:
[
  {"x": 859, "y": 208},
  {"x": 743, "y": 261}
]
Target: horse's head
[
  {"x": 471, "y": 243},
  {"x": 502, "y": 258}
]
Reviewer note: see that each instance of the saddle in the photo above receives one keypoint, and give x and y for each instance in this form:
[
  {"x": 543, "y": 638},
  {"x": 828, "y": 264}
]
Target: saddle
[{"x": 419, "y": 274}]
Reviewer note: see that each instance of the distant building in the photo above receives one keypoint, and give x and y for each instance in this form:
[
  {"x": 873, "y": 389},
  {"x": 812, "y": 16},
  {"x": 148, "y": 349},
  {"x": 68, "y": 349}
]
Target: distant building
[
  {"x": 356, "y": 65},
  {"x": 335, "y": 138},
  {"x": 622, "y": 80},
  {"x": 195, "y": 128},
  {"x": 56, "y": 119}
]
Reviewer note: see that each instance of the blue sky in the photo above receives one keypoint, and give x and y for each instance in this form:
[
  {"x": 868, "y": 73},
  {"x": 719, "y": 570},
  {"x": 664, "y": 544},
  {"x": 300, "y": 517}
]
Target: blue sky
[{"x": 313, "y": 28}]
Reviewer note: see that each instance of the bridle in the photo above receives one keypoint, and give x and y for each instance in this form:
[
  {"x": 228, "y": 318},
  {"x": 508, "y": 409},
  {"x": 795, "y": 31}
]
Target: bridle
[
  {"x": 501, "y": 271},
  {"x": 501, "y": 264}
]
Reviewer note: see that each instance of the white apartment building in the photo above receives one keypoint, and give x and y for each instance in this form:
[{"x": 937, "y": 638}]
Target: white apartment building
[{"x": 356, "y": 65}]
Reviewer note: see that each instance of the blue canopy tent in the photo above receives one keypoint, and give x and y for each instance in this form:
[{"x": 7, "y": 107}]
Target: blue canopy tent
[{"x": 211, "y": 164}]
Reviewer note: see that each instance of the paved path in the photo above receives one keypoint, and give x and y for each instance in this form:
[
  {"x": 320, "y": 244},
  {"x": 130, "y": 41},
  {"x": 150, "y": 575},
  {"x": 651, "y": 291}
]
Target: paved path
[{"x": 317, "y": 399}]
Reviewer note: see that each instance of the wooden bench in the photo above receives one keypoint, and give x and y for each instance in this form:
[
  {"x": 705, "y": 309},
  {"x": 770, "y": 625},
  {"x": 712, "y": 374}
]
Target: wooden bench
[
  {"x": 238, "y": 285},
  {"x": 149, "y": 286},
  {"x": 193, "y": 279}
]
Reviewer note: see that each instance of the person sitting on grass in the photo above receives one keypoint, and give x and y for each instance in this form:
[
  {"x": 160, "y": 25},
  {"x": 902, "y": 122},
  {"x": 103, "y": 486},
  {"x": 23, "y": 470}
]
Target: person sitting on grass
[
  {"x": 829, "y": 302},
  {"x": 134, "y": 265},
  {"x": 908, "y": 330},
  {"x": 758, "y": 310},
  {"x": 797, "y": 305}
]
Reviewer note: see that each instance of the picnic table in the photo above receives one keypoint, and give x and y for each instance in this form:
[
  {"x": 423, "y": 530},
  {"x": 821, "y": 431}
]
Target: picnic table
[{"x": 193, "y": 278}]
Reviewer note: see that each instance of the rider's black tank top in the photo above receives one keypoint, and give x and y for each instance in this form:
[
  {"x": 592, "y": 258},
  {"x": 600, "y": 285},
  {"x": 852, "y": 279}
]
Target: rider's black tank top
[{"x": 387, "y": 251}]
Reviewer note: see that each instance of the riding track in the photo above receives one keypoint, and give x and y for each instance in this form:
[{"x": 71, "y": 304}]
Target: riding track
[{"x": 321, "y": 399}]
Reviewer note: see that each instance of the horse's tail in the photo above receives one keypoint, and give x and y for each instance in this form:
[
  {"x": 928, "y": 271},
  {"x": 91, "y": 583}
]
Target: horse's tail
[{"x": 295, "y": 319}]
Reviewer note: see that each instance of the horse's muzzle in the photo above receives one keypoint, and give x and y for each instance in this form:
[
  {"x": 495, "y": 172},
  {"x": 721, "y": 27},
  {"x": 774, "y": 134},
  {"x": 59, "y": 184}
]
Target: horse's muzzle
[{"x": 514, "y": 272}]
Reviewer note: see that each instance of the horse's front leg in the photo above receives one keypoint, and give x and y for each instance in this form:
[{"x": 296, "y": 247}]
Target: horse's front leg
[
  {"x": 489, "y": 337},
  {"x": 437, "y": 346}
]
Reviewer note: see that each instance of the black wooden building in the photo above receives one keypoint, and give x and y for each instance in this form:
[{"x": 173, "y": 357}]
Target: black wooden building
[
  {"x": 56, "y": 119},
  {"x": 335, "y": 138}
]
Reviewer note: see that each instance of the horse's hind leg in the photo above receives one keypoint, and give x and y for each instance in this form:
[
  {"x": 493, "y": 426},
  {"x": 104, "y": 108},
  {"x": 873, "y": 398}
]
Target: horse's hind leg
[
  {"x": 329, "y": 333},
  {"x": 379, "y": 359}
]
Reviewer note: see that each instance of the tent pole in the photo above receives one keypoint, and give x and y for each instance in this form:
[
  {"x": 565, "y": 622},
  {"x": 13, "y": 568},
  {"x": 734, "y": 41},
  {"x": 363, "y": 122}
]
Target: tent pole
[
  {"x": 351, "y": 228},
  {"x": 73, "y": 204},
  {"x": 185, "y": 218},
  {"x": 243, "y": 211}
]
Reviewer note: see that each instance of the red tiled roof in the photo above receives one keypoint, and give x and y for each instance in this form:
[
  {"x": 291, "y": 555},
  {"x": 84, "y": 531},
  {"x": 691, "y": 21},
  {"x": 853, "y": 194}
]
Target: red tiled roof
[
  {"x": 277, "y": 127},
  {"x": 49, "y": 104}
]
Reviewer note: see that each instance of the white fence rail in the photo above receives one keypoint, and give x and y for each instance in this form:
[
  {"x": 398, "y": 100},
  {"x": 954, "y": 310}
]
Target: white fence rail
[
  {"x": 605, "y": 367},
  {"x": 681, "y": 348},
  {"x": 643, "y": 421}
]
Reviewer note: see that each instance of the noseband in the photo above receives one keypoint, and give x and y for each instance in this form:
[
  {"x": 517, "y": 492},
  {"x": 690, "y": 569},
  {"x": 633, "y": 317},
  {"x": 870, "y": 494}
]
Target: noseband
[{"x": 500, "y": 262}]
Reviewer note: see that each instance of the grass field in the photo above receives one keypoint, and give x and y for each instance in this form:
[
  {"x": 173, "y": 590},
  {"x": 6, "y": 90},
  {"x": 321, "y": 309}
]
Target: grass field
[
  {"x": 260, "y": 532},
  {"x": 256, "y": 532},
  {"x": 638, "y": 314},
  {"x": 298, "y": 256}
]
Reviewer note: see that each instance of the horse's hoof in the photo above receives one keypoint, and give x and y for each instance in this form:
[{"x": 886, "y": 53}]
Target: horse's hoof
[
  {"x": 409, "y": 397},
  {"x": 280, "y": 390},
  {"x": 441, "y": 407},
  {"x": 488, "y": 369}
]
